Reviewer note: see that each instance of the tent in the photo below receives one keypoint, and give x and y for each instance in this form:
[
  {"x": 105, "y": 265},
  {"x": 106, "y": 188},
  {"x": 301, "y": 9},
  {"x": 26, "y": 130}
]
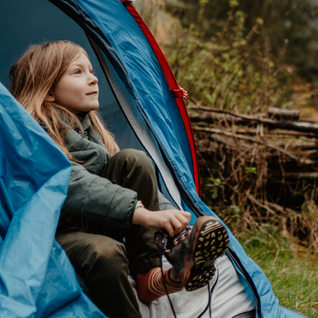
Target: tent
[{"x": 140, "y": 103}]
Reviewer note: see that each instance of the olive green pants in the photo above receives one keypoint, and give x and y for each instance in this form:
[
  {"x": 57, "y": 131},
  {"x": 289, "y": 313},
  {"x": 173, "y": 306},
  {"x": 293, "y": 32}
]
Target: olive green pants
[{"x": 99, "y": 254}]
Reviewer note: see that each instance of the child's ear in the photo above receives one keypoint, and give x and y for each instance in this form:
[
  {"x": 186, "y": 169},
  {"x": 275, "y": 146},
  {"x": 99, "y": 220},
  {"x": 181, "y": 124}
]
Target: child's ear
[{"x": 50, "y": 97}]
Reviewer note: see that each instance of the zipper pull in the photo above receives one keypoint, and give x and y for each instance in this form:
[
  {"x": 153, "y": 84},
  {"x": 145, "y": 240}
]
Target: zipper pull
[{"x": 180, "y": 92}]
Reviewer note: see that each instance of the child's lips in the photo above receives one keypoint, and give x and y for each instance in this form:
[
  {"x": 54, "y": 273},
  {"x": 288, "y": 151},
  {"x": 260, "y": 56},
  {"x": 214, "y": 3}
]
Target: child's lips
[{"x": 92, "y": 93}]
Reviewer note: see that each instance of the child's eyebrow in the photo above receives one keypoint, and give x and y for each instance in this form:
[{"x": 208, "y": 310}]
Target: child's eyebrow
[{"x": 81, "y": 64}]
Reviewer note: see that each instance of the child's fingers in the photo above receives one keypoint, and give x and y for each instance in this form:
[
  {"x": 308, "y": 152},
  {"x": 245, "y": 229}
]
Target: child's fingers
[
  {"x": 170, "y": 229},
  {"x": 179, "y": 223},
  {"x": 187, "y": 215},
  {"x": 173, "y": 221},
  {"x": 182, "y": 221},
  {"x": 179, "y": 220},
  {"x": 183, "y": 217}
]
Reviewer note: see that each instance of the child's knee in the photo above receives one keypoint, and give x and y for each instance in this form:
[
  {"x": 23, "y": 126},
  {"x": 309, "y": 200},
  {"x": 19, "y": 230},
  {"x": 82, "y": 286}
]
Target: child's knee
[
  {"x": 135, "y": 158},
  {"x": 109, "y": 255}
]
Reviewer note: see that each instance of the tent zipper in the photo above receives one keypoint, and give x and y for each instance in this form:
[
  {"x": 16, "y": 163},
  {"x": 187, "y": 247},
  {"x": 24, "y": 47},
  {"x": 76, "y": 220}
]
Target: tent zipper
[{"x": 248, "y": 279}]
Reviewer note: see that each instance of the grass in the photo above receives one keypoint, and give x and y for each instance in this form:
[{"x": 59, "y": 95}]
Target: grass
[{"x": 291, "y": 268}]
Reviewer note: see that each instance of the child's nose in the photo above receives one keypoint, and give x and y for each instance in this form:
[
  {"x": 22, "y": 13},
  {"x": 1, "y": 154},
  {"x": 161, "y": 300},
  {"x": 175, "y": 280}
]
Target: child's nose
[{"x": 93, "y": 80}]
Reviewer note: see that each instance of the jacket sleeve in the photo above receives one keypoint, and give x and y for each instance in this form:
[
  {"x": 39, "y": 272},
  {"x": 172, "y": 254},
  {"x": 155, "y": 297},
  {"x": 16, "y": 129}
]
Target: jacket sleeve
[
  {"x": 164, "y": 204},
  {"x": 98, "y": 199}
]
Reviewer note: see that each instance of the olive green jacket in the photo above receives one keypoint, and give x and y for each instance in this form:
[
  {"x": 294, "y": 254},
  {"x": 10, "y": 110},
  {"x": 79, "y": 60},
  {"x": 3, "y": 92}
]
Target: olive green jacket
[{"x": 90, "y": 196}]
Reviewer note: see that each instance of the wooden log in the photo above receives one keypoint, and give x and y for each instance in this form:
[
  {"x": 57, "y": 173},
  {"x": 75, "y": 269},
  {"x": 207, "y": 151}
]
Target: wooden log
[
  {"x": 277, "y": 133},
  {"x": 256, "y": 141},
  {"x": 283, "y": 114},
  {"x": 249, "y": 120}
]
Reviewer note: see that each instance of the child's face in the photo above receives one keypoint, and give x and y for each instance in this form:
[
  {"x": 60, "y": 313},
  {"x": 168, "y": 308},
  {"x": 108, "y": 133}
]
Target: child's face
[{"x": 77, "y": 89}]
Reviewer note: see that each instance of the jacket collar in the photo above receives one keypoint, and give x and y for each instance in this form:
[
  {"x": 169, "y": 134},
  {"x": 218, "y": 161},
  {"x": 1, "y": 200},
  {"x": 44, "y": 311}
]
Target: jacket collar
[{"x": 84, "y": 118}]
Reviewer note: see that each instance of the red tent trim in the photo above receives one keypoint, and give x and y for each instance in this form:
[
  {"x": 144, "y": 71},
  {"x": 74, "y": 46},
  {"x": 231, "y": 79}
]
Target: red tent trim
[{"x": 174, "y": 88}]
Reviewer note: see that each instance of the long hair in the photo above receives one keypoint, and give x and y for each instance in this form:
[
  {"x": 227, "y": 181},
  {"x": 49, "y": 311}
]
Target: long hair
[{"x": 36, "y": 74}]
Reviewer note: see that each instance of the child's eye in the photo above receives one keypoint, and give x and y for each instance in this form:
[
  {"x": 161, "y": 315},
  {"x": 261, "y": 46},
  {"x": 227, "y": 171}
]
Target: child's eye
[
  {"x": 92, "y": 71},
  {"x": 77, "y": 72}
]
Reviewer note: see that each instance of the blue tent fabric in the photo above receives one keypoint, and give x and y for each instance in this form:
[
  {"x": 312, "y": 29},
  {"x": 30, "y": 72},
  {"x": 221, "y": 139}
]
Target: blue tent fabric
[{"x": 36, "y": 277}]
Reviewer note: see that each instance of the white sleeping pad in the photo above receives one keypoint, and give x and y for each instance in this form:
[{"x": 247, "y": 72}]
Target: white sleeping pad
[{"x": 229, "y": 298}]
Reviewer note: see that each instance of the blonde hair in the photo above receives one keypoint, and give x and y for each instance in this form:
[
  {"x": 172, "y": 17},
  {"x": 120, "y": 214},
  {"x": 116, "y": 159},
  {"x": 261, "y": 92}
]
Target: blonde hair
[{"x": 36, "y": 74}]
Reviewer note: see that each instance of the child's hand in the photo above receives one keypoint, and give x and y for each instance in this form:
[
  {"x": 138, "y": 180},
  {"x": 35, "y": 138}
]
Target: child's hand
[{"x": 173, "y": 221}]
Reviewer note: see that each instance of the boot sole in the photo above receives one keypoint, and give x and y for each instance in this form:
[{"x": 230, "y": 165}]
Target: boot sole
[{"x": 212, "y": 242}]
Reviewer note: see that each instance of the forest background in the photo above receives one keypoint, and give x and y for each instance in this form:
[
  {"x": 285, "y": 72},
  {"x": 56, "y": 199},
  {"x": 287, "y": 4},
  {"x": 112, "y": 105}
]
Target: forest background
[{"x": 240, "y": 60}]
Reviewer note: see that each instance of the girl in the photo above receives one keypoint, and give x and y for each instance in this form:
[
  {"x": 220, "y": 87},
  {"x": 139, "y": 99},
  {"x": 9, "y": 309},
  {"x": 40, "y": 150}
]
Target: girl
[{"x": 112, "y": 194}]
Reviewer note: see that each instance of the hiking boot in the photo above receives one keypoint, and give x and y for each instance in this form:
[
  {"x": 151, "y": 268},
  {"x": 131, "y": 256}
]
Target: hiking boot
[{"x": 193, "y": 252}]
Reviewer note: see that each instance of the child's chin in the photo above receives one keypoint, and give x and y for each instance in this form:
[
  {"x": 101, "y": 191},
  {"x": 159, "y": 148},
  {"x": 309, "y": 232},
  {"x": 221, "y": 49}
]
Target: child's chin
[{"x": 91, "y": 108}]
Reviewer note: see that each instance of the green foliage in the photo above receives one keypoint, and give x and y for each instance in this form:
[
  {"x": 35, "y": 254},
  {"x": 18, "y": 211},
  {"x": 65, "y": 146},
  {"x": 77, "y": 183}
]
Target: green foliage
[
  {"x": 309, "y": 213},
  {"x": 284, "y": 21},
  {"x": 292, "y": 269},
  {"x": 215, "y": 187},
  {"x": 251, "y": 170},
  {"x": 227, "y": 71},
  {"x": 235, "y": 212},
  {"x": 151, "y": 11}
]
